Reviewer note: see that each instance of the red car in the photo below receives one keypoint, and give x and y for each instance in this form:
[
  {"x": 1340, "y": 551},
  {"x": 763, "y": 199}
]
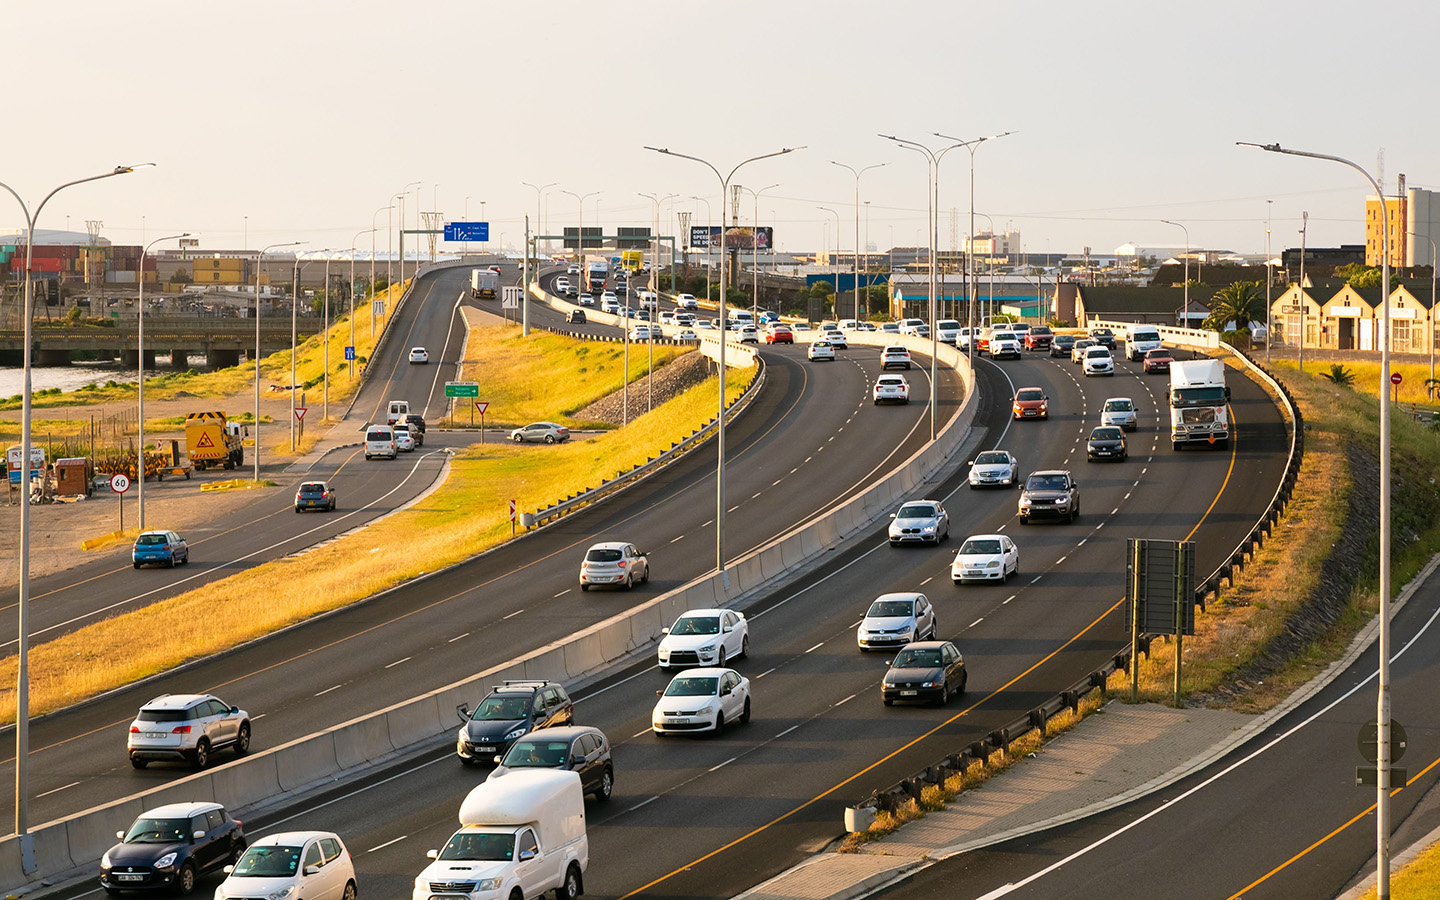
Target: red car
[
  {"x": 779, "y": 334},
  {"x": 1158, "y": 361},
  {"x": 1039, "y": 337},
  {"x": 1031, "y": 403}
]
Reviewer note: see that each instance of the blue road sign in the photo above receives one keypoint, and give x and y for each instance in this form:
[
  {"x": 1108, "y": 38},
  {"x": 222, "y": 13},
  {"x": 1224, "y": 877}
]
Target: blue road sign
[
  {"x": 350, "y": 354},
  {"x": 467, "y": 231}
]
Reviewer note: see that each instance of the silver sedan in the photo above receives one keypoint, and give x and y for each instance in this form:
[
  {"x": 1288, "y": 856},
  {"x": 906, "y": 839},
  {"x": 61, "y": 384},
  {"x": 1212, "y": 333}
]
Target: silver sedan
[
  {"x": 994, "y": 468},
  {"x": 919, "y": 522}
]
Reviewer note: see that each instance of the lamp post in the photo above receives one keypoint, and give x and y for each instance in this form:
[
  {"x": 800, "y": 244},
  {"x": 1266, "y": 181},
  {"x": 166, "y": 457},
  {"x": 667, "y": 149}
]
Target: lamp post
[
  {"x": 654, "y": 289},
  {"x": 540, "y": 190},
  {"x": 709, "y": 224},
  {"x": 857, "y": 173},
  {"x": 1187, "y": 268},
  {"x": 259, "y": 263},
  {"x": 295, "y": 344},
  {"x": 371, "y": 232},
  {"x": 989, "y": 269},
  {"x": 755, "y": 247},
  {"x": 836, "y": 214},
  {"x": 404, "y": 192},
  {"x": 1268, "y": 337},
  {"x": 374, "y": 228},
  {"x": 973, "y": 145},
  {"x": 1382, "y": 704},
  {"x": 724, "y": 336},
  {"x": 140, "y": 382},
  {"x": 1434, "y": 253},
  {"x": 580, "y": 230},
  {"x": 22, "y": 641}
]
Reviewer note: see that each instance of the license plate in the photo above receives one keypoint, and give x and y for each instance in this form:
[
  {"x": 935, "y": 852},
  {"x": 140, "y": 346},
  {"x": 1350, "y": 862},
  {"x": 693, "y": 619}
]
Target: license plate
[
  {"x": 677, "y": 721},
  {"x": 155, "y": 734},
  {"x": 129, "y": 877},
  {"x": 1029, "y": 412},
  {"x": 907, "y": 693},
  {"x": 481, "y": 748}
]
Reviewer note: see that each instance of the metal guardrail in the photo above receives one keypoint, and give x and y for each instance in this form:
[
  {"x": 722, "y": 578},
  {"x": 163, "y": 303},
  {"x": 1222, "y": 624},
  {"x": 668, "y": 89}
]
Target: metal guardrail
[{"x": 891, "y": 798}]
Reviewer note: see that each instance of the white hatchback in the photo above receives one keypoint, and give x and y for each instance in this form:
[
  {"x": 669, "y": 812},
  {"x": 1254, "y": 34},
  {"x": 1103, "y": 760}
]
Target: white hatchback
[
  {"x": 419, "y": 355},
  {"x": 891, "y": 389},
  {"x": 704, "y": 637},
  {"x": 687, "y": 301},
  {"x": 613, "y": 563},
  {"x": 986, "y": 557},
  {"x": 701, "y": 700},
  {"x": 895, "y": 620},
  {"x": 311, "y": 864},
  {"x": 821, "y": 349},
  {"x": 1098, "y": 361},
  {"x": 1119, "y": 411}
]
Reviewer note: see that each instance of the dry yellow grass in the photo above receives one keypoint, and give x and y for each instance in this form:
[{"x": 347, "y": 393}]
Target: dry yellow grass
[
  {"x": 1420, "y": 880},
  {"x": 468, "y": 514}
]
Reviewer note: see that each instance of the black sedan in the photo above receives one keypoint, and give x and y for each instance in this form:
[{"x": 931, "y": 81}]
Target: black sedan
[
  {"x": 1062, "y": 344},
  {"x": 1106, "y": 442},
  {"x": 170, "y": 847},
  {"x": 924, "y": 670}
]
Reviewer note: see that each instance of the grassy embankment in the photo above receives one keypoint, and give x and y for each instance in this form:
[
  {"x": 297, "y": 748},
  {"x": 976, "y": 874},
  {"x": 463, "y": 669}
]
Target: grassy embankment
[
  {"x": 1231, "y": 659},
  {"x": 469, "y": 513},
  {"x": 220, "y": 384}
]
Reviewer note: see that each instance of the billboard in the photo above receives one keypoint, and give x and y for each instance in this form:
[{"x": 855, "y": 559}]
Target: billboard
[{"x": 737, "y": 237}]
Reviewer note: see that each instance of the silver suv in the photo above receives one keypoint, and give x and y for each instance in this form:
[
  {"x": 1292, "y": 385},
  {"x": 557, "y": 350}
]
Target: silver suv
[{"x": 187, "y": 727}]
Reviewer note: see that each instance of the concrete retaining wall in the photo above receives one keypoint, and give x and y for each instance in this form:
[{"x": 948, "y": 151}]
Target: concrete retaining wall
[{"x": 66, "y": 844}]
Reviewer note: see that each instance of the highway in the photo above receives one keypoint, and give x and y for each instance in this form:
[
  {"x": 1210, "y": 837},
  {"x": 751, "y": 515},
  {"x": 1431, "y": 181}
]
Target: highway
[
  {"x": 268, "y": 528},
  {"x": 720, "y": 815},
  {"x": 519, "y": 596}
]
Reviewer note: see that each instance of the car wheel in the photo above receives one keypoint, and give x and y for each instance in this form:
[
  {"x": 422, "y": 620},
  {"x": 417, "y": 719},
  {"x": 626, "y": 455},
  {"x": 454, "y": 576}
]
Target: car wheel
[
  {"x": 170, "y": 563},
  {"x": 570, "y": 889},
  {"x": 629, "y": 583},
  {"x": 745, "y": 647},
  {"x": 1016, "y": 571},
  {"x": 887, "y": 701},
  {"x": 549, "y": 438},
  {"x": 1004, "y": 573},
  {"x": 185, "y": 880},
  {"x": 645, "y": 578},
  {"x": 719, "y": 724},
  {"x": 944, "y": 694},
  {"x": 200, "y": 756},
  {"x": 349, "y": 891},
  {"x": 584, "y": 587},
  {"x": 720, "y": 659},
  {"x": 745, "y": 713},
  {"x": 139, "y": 763},
  {"x": 607, "y": 785},
  {"x": 956, "y": 580},
  {"x": 297, "y": 510},
  {"x": 515, "y": 438},
  {"x": 136, "y": 565},
  {"x": 964, "y": 678},
  {"x": 242, "y": 740}
]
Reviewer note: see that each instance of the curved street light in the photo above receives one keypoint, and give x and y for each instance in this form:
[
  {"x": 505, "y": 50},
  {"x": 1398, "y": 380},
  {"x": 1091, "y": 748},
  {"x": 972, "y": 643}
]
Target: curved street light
[
  {"x": 259, "y": 264},
  {"x": 755, "y": 247},
  {"x": 724, "y": 335},
  {"x": 1187, "y": 265},
  {"x": 972, "y": 145},
  {"x": 857, "y": 173},
  {"x": 140, "y": 381},
  {"x": 539, "y": 218}
]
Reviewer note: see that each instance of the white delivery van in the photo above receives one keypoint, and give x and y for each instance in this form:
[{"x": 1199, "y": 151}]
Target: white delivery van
[
  {"x": 397, "y": 411},
  {"x": 524, "y": 833},
  {"x": 380, "y": 441},
  {"x": 1140, "y": 340}
]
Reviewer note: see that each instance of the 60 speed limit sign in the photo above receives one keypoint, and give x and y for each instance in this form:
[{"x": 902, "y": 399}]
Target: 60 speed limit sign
[{"x": 119, "y": 483}]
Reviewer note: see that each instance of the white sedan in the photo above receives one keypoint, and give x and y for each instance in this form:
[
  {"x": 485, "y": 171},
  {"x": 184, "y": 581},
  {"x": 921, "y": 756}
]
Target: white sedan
[
  {"x": 419, "y": 355},
  {"x": 919, "y": 521},
  {"x": 685, "y": 334},
  {"x": 686, "y": 301},
  {"x": 704, "y": 637},
  {"x": 701, "y": 700},
  {"x": 986, "y": 557},
  {"x": 821, "y": 349},
  {"x": 891, "y": 389},
  {"x": 994, "y": 468}
]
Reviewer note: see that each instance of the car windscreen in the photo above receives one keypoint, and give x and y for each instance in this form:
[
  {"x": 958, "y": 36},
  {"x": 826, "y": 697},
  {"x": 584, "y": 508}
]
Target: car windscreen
[
  {"x": 916, "y": 511},
  {"x": 1030, "y": 394},
  {"x": 268, "y": 862},
  {"x": 481, "y": 847},
  {"x": 1105, "y": 434},
  {"x": 603, "y": 555},
  {"x": 696, "y": 625},
  {"x": 979, "y": 547},
  {"x": 889, "y": 609},
  {"x": 1097, "y": 353},
  {"x": 1200, "y": 396},
  {"x": 538, "y": 753},
  {"x": 692, "y": 687},
  {"x": 146, "y": 539},
  {"x": 158, "y": 831},
  {"x": 917, "y": 659},
  {"x": 1119, "y": 406},
  {"x": 991, "y": 458},
  {"x": 1045, "y": 483},
  {"x": 500, "y": 709}
]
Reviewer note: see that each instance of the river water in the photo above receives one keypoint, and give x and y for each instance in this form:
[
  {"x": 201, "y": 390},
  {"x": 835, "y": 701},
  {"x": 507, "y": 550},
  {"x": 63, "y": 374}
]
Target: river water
[{"x": 67, "y": 378}]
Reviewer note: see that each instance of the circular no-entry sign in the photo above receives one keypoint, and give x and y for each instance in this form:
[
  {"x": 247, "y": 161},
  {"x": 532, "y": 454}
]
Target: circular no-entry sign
[
  {"x": 119, "y": 483},
  {"x": 1395, "y": 378}
]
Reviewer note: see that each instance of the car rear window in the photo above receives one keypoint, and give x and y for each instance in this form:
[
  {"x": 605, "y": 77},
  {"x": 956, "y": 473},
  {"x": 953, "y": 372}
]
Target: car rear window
[
  {"x": 313, "y": 487},
  {"x": 163, "y": 715},
  {"x": 603, "y": 555},
  {"x": 147, "y": 539},
  {"x": 379, "y": 434}
]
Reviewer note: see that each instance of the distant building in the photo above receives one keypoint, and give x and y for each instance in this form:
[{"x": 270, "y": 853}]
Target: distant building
[{"x": 1413, "y": 222}]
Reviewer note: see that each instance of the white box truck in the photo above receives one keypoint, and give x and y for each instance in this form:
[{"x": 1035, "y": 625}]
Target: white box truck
[
  {"x": 1198, "y": 399},
  {"x": 1140, "y": 340},
  {"x": 520, "y": 836},
  {"x": 484, "y": 283}
]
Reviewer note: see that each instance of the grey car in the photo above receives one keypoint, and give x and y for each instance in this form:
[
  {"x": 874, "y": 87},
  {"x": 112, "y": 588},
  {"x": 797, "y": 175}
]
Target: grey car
[
  {"x": 919, "y": 522},
  {"x": 994, "y": 468},
  {"x": 1119, "y": 411},
  {"x": 1049, "y": 494}
]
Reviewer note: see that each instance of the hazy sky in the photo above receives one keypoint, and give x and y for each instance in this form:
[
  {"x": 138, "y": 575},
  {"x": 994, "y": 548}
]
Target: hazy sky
[{"x": 306, "y": 117}]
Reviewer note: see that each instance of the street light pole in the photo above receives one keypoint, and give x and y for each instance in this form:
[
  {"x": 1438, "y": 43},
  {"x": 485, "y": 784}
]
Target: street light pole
[
  {"x": 709, "y": 224},
  {"x": 580, "y": 232},
  {"x": 371, "y": 232},
  {"x": 259, "y": 263},
  {"x": 140, "y": 382},
  {"x": 374, "y": 228},
  {"x": 1187, "y": 266},
  {"x": 724, "y": 336},
  {"x": 654, "y": 289},
  {"x": 755, "y": 247},
  {"x": 1268, "y": 205},
  {"x": 22, "y": 640},
  {"x": 857, "y": 173},
  {"x": 1382, "y": 704},
  {"x": 539, "y": 218},
  {"x": 836, "y": 214},
  {"x": 971, "y": 285}
]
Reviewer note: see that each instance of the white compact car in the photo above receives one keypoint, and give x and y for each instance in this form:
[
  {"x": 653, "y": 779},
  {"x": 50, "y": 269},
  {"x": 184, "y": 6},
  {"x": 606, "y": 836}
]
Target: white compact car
[
  {"x": 986, "y": 557},
  {"x": 614, "y": 563},
  {"x": 685, "y": 334},
  {"x": 701, "y": 700},
  {"x": 895, "y": 620},
  {"x": 821, "y": 349},
  {"x": 686, "y": 301},
  {"x": 994, "y": 468},
  {"x": 891, "y": 389},
  {"x": 1098, "y": 361},
  {"x": 704, "y": 637},
  {"x": 1119, "y": 411},
  {"x": 404, "y": 440},
  {"x": 313, "y": 865},
  {"x": 419, "y": 356}
]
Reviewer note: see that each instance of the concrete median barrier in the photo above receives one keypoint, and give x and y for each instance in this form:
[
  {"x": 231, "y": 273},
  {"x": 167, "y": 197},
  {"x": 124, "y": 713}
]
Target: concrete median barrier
[
  {"x": 418, "y": 719},
  {"x": 246, "y": 782},
  {"x": 362, "y": 740},
  {"x": 306, "y": 760},
  {"x": 11, "y": 871},
  {"x": 584, "y": 653},
  {"x": 87, "y": 837},
  {"x": 52, "y": 848}
]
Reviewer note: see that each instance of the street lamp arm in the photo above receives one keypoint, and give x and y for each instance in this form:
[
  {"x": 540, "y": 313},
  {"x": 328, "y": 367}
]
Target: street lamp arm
[{"x": 1276, "y": 148}]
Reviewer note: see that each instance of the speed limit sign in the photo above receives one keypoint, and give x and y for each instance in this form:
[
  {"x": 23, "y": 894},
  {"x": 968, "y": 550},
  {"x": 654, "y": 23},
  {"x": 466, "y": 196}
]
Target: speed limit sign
[{"x": 119, "y": 483}]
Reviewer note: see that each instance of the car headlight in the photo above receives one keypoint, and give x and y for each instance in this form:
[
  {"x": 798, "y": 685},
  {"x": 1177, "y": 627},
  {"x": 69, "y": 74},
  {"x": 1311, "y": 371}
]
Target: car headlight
[
  {"x": 992, "y": 564},
  {"x": 105, "y": 860},
  {"x": 931, "y": 684},
  {"x": 708, "y": 648},
  {"x": 1024, "y": 502},
  {"x": 515, "y": 733},
  {"x": 283, "y": 893},
  {"x": 928, "y": 528},
  {"x": 487, "y": 884},
  {"x": 166, "y": 862},
  {"x": 706, "y": 710}
]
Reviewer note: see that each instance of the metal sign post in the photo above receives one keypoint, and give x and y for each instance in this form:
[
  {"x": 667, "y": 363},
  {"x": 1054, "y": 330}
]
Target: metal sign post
[
  {"x": 120, "y": 483},
  {"x": 481, "y": 405},
  {"x": 1160, "y": 580}
]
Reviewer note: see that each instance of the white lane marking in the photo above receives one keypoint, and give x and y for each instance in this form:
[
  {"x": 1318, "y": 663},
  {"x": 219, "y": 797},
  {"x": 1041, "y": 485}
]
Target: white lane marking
[
  {"x": 1114, "y": 511},
  {"x": 1008, "y": 599},
  {"x": 1082, "y": 542},
  {"x": 388, "y": 843},
  {"x": 847, "y": 700},
  {"x": 458, "y": 637},
  {"x": 58, "y": 790},
  {"x": 792, "y": 472},
  {"x": 259, "y": 717},
  {"x": 776, "y": 481},
  {"x": 977, "y": 621},
  {"x": 643, "y": 802},
  {"x": 1035, "y": 579},
  {"x": 1127, "y": 496},
  {"x": 808, "y": 458},
  {"x": 1061, "y": 559},
  {"x": 708, "y": 524},
  {"x": 724, "y": 764},
  {"x": 329, "y": 689},
  {"x": 927, "y": 581},
  {"x": 680, "y": 538},
  {"x": 519, "y": 611},
  {"x": 756, "y": 494},
  {"x": 763, "y": 674},
  {"x": 786, "y": 731},
  {"x": 450, "y": 330},
  {"x": 736, "y": 506},
  {"x": 816, "y": 647},
  {"x": 642, "y": 734},
  {"x": 398, "y": 662}
]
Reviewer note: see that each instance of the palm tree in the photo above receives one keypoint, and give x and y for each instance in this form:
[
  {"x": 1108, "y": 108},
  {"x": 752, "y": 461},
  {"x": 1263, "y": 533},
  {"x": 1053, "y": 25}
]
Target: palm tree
[
  {"x": 1339, "y": 375},
  {"x": 1240, "y": 303}
]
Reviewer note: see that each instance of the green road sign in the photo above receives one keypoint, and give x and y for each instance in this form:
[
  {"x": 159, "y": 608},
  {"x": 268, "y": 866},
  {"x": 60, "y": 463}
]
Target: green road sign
[{"x": 462, "y": 388}]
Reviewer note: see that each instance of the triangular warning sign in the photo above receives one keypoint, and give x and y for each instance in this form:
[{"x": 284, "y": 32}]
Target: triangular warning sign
[{"x": 204, "y": 441}]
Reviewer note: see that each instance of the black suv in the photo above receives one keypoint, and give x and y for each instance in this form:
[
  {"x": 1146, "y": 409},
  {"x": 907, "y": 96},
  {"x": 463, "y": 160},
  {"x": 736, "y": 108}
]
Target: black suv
[
  {"x": 576, "y": 748},
  {"x": 169, "y": 847},
  {"x": 1104, "y": 337},
  {"x": 511, "y": 710},
  {"x": 417, "y": 427}
]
